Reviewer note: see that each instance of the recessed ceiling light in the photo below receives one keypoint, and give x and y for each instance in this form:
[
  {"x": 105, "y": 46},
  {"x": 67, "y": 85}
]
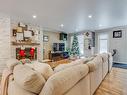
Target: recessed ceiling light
[
  {"x": 34, "y": 16},
  {"x": 76, "y": 30},
  {"x": 89, "y": 16},
  {"x": 100, "y": 25},
  {"x": 62, "y": 25}
]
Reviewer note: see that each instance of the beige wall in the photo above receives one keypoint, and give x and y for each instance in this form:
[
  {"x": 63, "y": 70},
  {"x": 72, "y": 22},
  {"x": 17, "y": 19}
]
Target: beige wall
[{"x": 53, "y": 38}]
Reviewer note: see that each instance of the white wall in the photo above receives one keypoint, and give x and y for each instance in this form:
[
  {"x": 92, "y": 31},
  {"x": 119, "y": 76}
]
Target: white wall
[
  {"x": 54, "y": 37},
  {"x": 4, "y": 40},
  {"x": 116, "y": 43}
]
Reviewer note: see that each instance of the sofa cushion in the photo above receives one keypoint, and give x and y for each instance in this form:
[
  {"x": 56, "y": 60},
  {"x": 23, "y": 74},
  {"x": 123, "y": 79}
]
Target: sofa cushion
[
  {"x": 73, "y": 63},
  {"x": 42, "y": 68},
  {"x": 88, "y": 59},
  {"x": 81, "y": 88},
  {"x": 104, "y": 57},
  {"x": 14, "y": 89},
  {"x": 11, "y": 63},
  {"x": 62, "y": 81},
  {"x": 93, "y": 65},
  {"x": 28, "y": 79}
]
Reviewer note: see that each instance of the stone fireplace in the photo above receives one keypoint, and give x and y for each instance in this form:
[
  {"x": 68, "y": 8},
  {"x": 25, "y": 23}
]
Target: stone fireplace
[{"x": 31, "y": 38}]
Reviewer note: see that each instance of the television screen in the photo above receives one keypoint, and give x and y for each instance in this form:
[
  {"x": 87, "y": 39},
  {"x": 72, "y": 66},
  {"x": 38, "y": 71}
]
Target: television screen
[
  {"x": 58, "y": 47},
  {"x": 55, "y": 47},
  {"x": 61, "y": 46}
]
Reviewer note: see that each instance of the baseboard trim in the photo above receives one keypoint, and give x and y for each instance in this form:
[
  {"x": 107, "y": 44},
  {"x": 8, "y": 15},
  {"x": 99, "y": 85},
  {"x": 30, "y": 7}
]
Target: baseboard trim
[{"x": 120, "y": 62}]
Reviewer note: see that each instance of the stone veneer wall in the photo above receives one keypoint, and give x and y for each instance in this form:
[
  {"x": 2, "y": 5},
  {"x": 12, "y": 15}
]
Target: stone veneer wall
[
  {"x": 39, "y": 37},
  {"x": 4, "y": 41},
  {"x": 6, "y": 49}
]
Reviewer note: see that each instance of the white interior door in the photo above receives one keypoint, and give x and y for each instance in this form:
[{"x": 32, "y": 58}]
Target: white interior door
[{"x": 103, "y": 43}]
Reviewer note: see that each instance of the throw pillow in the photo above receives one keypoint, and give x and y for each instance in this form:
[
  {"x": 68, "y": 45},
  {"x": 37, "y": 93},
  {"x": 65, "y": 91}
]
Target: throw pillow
[
  {"x": 28, "y": 79},
  {"x": 42, "y": 68},
  {"x": 11, "y": 63}
]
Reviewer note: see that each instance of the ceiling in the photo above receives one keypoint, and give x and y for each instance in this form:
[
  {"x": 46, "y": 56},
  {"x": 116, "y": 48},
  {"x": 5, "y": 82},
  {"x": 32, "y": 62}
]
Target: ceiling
[{"x": 73, "y": 14}]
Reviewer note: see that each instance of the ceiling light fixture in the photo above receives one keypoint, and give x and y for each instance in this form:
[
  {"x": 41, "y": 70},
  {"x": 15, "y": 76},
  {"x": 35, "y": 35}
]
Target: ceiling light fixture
[
  {"x": 90, "y": 16},
  {"x": 34, "y": 16},
  {"x": 100, "y": 25},
  {"x": 62, "y": 25}
]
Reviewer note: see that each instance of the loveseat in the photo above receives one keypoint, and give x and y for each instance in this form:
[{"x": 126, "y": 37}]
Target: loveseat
[{"x": 80, "y": 77}]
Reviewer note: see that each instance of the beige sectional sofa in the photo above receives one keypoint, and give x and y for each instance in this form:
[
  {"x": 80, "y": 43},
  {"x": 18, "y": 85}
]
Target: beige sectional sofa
[{"x": 81, "y": 77}]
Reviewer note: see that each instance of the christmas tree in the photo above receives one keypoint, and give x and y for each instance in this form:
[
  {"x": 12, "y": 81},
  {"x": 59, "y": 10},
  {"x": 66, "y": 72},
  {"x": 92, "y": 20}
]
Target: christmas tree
[{"x": 75, "y": 46}]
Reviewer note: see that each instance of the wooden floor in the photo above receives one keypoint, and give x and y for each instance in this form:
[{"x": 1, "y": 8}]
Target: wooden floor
[{"x": 115, "y": 83}]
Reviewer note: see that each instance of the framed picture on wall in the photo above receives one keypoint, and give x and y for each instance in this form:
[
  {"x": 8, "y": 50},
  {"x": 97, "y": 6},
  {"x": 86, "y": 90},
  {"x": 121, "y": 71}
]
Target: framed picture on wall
[
  {"x": 45, "y": 38},
  {"x": 117, "y": 34},
  {"x": 19, "y": 36}
]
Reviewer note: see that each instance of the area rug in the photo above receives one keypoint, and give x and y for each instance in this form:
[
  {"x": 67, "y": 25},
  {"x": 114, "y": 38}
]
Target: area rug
[{"x": 120, "y": 65}]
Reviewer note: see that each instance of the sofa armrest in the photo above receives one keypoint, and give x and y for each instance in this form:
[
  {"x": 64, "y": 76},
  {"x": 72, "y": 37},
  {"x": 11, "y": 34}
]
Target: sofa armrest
[
  {"x": 94, "y": 64},
  {"x": 61, "y": 82},
  {"x": 110, "y": 62},
  {"x": 11, "y": 78},
  {"x": 11, "y": 63}
]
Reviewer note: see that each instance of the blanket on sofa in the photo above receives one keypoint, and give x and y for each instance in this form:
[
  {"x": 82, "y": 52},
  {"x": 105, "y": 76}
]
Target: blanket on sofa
[{"x": 4, "y": 81}]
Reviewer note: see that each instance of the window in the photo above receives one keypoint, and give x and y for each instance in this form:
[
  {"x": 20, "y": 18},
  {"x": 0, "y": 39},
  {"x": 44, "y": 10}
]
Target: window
[{"x": 103, "y": 43}]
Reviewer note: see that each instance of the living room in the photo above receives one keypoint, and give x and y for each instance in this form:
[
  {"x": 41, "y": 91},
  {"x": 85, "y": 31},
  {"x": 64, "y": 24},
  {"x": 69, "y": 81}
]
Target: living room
[{"x": 63, "y": 47}]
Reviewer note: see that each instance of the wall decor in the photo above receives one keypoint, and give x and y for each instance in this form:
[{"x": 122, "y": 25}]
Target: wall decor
[
  {"x": 27, "y": 34},
  {"x": 117, "y": 34},
  {"x": 89, "y": 40},
  {"x": 21, "y": 33},
  {"x": 19, "y": 29},
  {"x": 32, "y": 32},
  {"x": 19, "y": 37},
  {"x": 45, "y": 38},
  {"x": 20, "y": 24},
  {"x": 14, "y": 32},
  {"x": 87, "y": 34}
]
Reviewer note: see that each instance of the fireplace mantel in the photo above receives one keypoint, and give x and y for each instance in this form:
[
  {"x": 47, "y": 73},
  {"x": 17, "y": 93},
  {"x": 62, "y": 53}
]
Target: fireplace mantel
[{"x": 25, "y": 43}]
